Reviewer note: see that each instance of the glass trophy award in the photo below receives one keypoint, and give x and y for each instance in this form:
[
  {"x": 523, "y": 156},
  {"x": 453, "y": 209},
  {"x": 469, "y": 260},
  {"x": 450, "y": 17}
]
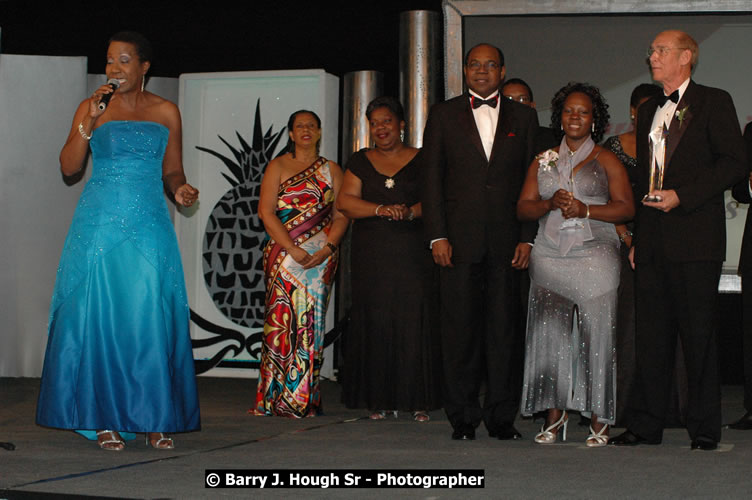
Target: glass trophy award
[
  {"x": 574, "y": 223},
  {"x": 657, "y": 162}
]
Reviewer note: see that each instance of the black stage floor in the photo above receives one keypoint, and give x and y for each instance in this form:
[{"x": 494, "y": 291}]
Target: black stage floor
[{"x": 54, "y": 464}]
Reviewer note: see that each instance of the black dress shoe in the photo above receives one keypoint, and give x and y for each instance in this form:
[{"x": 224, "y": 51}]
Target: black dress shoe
[
  {"x": 628, "y": 438},
  {"x": 743, "y": 424},
  {"x": 464, "y": 432},
  {"x": 704, "y": 444},
  {"x": 505, "y": 432}
]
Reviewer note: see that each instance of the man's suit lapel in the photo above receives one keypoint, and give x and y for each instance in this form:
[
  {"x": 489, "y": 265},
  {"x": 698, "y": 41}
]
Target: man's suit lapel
[
  {"x": 467, "y": 124},
  {"x": 677, "y": 128}
]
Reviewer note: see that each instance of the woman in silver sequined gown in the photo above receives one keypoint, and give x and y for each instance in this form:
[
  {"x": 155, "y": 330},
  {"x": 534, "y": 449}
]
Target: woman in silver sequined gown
[{"x": 576, "y": 192}]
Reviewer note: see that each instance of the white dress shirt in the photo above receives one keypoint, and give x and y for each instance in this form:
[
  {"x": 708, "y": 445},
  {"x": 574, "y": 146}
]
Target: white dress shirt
[
  {"x": 665, "y": 113},
  {"x": 486, "y": 119}
]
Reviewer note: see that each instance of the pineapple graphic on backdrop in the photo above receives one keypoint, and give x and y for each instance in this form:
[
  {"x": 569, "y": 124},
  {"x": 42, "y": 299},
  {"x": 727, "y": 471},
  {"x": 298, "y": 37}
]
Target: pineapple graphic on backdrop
[{"x": 233, "y": 240}]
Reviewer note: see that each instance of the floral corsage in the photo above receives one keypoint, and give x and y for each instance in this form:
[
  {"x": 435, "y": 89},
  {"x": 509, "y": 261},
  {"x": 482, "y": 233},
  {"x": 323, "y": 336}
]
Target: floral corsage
[
  {"x": 680, "y": 115},
  {"x": 547, "y": 160}
]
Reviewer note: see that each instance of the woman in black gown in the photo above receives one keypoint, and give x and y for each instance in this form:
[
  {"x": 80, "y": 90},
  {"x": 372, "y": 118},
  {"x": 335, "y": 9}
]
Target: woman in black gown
[
  {"x": 391, "y": 359},
  {"x": 624, "y": 146}
]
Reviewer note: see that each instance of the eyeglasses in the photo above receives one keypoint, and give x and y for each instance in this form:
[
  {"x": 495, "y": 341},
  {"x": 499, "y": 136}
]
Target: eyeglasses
[
  {"x": 663, "y": 51},
  {"x": 488, "y": 65},
  {"x": 523, "y": 98}
]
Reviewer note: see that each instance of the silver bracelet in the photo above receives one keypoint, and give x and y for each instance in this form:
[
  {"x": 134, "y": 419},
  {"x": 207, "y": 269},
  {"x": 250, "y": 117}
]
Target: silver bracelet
[
  {"x": 587, "y": 214},
  {"x": 377, "y": 210},
  {"x": 81, "y": 131},
  {"x": 623, "y": 236}
]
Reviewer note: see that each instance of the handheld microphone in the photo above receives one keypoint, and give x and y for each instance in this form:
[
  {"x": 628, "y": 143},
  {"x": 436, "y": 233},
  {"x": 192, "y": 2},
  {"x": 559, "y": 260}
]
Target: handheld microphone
[{"x": 105, "y": 100}]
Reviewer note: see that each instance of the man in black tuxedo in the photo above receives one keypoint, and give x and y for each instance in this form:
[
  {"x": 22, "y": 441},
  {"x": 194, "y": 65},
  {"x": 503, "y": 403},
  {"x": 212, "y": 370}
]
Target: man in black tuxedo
[
  {"x": 743, "y": 193},
  {"x": 476, "y": 148},
  {"x": 680, "y": 242}
]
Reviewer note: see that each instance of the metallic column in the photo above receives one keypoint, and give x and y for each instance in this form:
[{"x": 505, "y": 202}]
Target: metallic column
[
  {"x": 360, "y": 88},
  {"x": 419, "y": 68}
]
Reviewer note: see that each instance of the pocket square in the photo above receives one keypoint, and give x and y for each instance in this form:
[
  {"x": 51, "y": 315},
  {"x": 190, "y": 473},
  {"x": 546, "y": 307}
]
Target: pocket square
[{"x": 510, "y": 134}]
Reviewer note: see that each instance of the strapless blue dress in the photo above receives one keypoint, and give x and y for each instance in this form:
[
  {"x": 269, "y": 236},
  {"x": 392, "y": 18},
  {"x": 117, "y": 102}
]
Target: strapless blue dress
[{"x": 119, "y": 349}]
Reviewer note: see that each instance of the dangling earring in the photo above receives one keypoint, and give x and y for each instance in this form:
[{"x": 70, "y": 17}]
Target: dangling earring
[
  {"x": 592, "y": 127},
  {"x": 143, "y": 82},
  {"x": 402, "y": 135},
  {"x": 562, "y": 126},
  {"x": 631, "y": 117}
]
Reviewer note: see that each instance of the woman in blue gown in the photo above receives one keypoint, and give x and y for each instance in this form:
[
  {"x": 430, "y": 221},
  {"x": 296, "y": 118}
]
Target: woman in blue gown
[{"x": 119, "y": 357}]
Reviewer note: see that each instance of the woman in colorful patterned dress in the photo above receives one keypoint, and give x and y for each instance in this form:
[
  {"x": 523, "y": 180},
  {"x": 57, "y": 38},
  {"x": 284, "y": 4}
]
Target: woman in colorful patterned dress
[{"x": 297, "y": 207}]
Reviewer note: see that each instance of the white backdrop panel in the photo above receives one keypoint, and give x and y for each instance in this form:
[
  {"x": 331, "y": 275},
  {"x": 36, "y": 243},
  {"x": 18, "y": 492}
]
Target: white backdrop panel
[{"x": 36, "y": 204}]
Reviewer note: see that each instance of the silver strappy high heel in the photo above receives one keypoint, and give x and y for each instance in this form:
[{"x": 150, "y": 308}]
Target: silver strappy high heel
[
  {"x": 118, "y": 441},
  {"x": 554, "y": 431},
  {"x": 597, "y": 439},
  {"x": 163, "y": 438}
]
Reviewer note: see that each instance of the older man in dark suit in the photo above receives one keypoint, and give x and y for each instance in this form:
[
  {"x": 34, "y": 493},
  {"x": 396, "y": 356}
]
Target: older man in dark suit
[
  {"x": 680, "y": 242},
  {"x": 476, "y": 148}
]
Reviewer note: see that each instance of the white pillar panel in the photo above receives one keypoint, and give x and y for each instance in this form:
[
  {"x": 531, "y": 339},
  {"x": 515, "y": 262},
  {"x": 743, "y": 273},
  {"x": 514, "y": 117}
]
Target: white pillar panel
[{"x": 38, "y": 96}]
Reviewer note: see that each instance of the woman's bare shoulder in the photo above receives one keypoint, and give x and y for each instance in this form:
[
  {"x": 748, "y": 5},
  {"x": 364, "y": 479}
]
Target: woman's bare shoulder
[
  {"x": 608, "y": 159},
  {"x": 161, "y": 110}
]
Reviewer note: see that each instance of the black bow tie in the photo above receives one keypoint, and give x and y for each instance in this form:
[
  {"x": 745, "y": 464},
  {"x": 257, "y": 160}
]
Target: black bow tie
[
  {"x": 673, "y": 97},
  {"x": 477, "y": 102}
]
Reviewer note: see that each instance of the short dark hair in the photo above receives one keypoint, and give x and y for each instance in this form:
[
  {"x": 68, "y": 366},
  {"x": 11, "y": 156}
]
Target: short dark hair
[
  {"x": 389, "y": 103},
  {"x": 518, "y": 81},
  {"x": 600, "y": 108},
  {"x": 501, "y": 54},
  {"x": 291, "y": 121},
  {"x": 143, "y": 46},
  {"x": 642, "y": 91}
]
